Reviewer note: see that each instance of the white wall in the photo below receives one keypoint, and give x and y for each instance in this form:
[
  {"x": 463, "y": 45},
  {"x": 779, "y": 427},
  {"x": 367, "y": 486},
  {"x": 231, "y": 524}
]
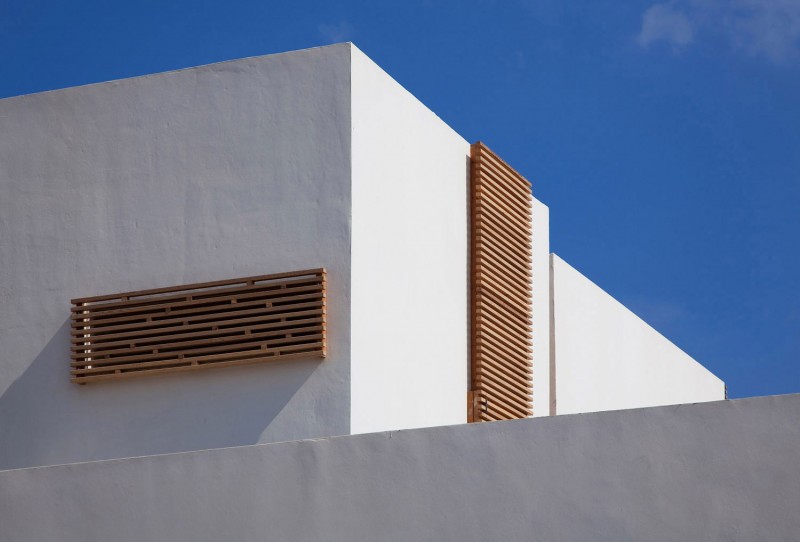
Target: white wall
[
  {"x": 223, "y": 171},
  {"x": 409, "y": 259},
  {"x": 716, "y": 471},
  {"x": 540, "y": 252},
  {"x": 608, "y": 358}
]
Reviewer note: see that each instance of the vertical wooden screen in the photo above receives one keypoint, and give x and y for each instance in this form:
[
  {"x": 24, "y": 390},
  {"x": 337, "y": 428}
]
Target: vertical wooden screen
[
  {"x": 199, "y": 326},
  {"x": 501, "y": 353}
]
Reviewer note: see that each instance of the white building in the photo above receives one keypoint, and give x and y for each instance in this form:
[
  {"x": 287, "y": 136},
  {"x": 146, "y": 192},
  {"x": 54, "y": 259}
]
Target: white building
[
  {"x": 303, "y": 160},
  {"x": 364, "y": 269}
]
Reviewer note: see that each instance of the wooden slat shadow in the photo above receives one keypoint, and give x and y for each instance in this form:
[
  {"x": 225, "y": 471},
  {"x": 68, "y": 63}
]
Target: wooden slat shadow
[
  {"x": 199, "y": 326},
  {"x": 501, "y": 315}
]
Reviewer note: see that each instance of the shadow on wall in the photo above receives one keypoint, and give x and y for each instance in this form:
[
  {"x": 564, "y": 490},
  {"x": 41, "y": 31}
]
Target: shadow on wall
[{"x": 45, "y": 419}]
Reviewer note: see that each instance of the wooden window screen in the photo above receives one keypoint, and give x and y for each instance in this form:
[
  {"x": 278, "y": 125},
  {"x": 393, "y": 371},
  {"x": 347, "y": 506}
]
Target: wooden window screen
[
  {"x": 197, "y": 326},
  {"x": 501, "y": 353}
]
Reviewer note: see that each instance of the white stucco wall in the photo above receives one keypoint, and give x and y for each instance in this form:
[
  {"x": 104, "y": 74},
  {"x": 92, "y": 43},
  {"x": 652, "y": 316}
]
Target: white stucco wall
[
  {"x": 607, "y": 358},
  {"x": 409, "y": 259},
  {"x": 223, "y": 171},
  {"x": 540, "y": 307}
]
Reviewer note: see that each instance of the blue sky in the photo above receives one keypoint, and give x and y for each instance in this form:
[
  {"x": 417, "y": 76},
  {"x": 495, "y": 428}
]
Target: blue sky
[{"x": 664, "y": 136}]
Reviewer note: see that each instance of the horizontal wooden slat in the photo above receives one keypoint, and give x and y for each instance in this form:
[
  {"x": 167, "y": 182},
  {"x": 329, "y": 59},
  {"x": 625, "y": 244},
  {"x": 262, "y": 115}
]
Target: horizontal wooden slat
[
  {"x": 305, "y": 309},
  {"x": 485, "y": 155},
  {"x": 512, "y": 285},
  {"x": 499, "y": 360},
  {"x": 503, "y": 389},
  {"x": 487, "y": 159},
  {"x": 273, "y": 298},
  {"x": 509, "y": 354},
  {"x": 231, "y": 336},
  {"x": 490, "y": 222},
  {"x": 501, "y": 275},
  {"x": 199, "y": 325},
  {"x": 499, "y": 267},
  {"x": 509, "y": 290},
  {"x": 88, "y": 313},
  {"x": 207, "y": 356},
  {"x": 311, "y": 300},
  {"x": 486, "y": 174},
  {"x": 496, "y": 311},
  {"x": 500, "y": 253},
  {"x": 497, "y": 204},
  {"x": 487, "y": 313},
  {"x": 512, "y": 242},
  {"x": 487, "y": 245},
  {"x": 199, "y": 286},
  {"x": 492, "y": 328},
  {"x": 496, "y": 404},
  {"x": 175, "y": 351},
  {"x": 500, "y": 371},
  {"x": 256, "y": 358},
  {"x": 506, "y": 303},
  {"x": 182, "y": 332},
  {"x": 489, "y": 179}
]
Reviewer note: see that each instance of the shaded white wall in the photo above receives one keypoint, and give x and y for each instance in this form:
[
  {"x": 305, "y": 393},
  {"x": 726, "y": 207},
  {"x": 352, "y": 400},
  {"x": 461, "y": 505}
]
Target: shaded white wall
[
  {"x": 715, "y": 471},
  {"x": 234, "y": 169},
  {"x": 540, "y": 307},
  {"x": 608, "y": 358},
  {"x": 409, "y": 259}
]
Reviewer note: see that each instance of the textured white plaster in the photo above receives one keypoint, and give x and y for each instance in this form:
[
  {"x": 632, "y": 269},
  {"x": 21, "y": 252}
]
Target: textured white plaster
[
  {"x": 222, "y": 171},
  {"x": 409, "y": 259},
  {"x": 608, "y": 358}
]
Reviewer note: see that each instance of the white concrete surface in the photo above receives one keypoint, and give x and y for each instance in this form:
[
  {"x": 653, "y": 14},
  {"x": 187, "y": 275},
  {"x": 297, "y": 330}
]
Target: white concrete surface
[
  {"x": 715, "y": 471},
  {"x": 222, "y": 171},
  {"x": 540, "y": 307},
  {"x": 608, "y": 358},
  {"x": 409, "y": 259}
]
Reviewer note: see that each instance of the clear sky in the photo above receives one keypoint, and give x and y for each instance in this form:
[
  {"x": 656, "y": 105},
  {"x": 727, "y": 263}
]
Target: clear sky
[{"x": 664, "y": 136}]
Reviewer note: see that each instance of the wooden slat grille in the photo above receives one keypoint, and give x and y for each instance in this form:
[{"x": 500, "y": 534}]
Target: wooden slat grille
[
  {"x": 198, "y": 326},
  {"x": 501, "y": 230}
]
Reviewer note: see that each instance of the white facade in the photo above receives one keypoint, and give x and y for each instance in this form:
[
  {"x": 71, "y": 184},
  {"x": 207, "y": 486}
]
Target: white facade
[
  {"x": 300, "y": 160},
  {"x": 607, "y": 358},
  {"x": 409, "y": 259},
  {"x": 223, "y": 171}
]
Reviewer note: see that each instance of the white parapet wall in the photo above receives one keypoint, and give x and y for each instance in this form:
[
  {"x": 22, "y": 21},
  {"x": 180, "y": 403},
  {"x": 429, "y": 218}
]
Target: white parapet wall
[
  {"x": 717, "y": 471},
  {"x": 607, "y": 358},
  {"x": 409, "y": 259}
]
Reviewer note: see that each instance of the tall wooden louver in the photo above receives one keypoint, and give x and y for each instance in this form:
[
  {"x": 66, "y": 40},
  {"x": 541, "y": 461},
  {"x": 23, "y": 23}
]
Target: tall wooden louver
[{"x": 500, "y": 269}]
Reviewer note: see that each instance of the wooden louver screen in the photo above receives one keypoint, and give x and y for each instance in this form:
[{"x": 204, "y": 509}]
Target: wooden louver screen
[
  {"x": 213, "y": 324},
  {"x": 501, "y": 352}
]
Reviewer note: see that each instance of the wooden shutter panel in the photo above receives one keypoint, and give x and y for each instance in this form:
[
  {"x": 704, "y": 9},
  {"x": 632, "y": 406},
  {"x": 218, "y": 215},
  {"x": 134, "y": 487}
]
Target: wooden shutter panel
[
  {"x": 501, "y": 353},
  {"x": 198, "y": 326}
]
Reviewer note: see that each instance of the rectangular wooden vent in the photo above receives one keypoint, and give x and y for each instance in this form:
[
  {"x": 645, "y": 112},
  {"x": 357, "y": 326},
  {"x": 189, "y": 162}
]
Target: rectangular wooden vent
[
  {"x": 197, "y": 326},
  {"x": 501, "y": 364}
]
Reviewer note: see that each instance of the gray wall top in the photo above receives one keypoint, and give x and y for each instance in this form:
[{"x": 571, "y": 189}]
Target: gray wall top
[{"x": 715, "y": 471}]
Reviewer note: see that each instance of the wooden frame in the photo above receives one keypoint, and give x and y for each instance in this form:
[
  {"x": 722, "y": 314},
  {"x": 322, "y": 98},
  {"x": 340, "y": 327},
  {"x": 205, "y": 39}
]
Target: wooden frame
[
  {"x": 500, "y": 283},
  {"x": 199, "y": 326}
]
